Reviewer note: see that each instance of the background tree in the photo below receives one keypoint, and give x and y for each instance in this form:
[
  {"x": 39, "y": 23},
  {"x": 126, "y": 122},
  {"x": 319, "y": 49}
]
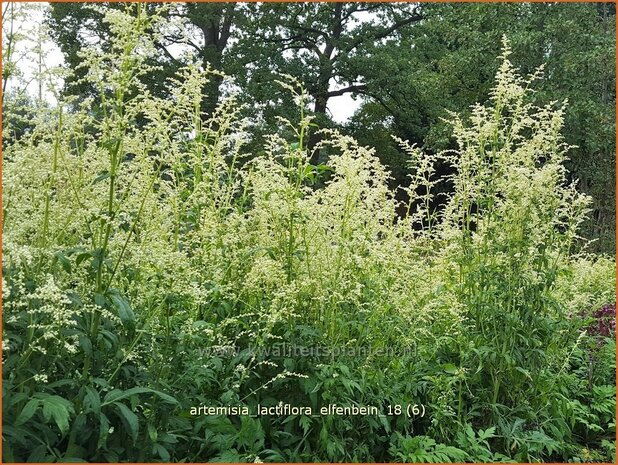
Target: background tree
[{"x": 320, "y": 44}]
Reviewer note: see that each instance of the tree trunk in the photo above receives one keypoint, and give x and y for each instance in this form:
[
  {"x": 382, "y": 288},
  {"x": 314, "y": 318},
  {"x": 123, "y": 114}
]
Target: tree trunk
[
  {"x": 211, "y": 92},
  {"x": 215, "y": 21},
  {"x": 321, "y": 101},
  {"x": 320, "y": 94}
]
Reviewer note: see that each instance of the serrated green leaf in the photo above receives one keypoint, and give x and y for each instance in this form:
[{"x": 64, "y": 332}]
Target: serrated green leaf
[
  {"x": 28, "y": 411},
  {"x": 60, "y": 410},
  {"x": 129, "y": 420},
  {"x": 125, "y": 312},
  {"x": 93, "y": 400},
  {"x": 488, "y": 433},
  {"x": 117, "y": 395}
]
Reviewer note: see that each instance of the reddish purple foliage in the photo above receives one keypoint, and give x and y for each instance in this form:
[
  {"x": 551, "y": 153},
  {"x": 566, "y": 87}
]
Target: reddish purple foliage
[{"x": 605, "y": 321}]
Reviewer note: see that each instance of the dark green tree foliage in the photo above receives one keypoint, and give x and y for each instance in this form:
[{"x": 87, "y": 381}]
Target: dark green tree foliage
[{"x": 323, "y": 45}]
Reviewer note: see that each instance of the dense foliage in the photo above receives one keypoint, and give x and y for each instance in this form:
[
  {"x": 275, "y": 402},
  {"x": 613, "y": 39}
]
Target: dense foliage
[
  {"x": 152, "y": 263},
  {"x": 406, "y": 63}
]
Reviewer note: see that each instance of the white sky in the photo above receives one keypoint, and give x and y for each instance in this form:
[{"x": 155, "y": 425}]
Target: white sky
[
  {"x": 25, "y": 54},
  {"x": 341, "y": 108}
]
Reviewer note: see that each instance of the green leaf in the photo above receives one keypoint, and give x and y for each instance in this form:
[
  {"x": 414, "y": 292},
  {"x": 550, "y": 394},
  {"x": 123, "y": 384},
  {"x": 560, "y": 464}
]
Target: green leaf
[
  {"x": 305, "y": 423},
  {"x": 102, "y": 176},
  {"x": 85, "y": 344},
  {"x": 59, "y": 257},
  {"x": 93, "y": 400},
  {"x": 161, "y": 452},
  {"x": 450, "y": 368},
  {"x": 385, "y": 423},
  {"x": 60, "y": 410},
  {"x": 125, "y": 312},
  {"x": 18, "y": 397},
  {"x": 251, "y": 433},
  {"x": 81, "y": 257},
  {"x": 39, "y": 454},
  {"x": 111, "y": 396},
  {"x": 117, "y": 395},
  {"x": 80, "y": 422},
  {"x": 488, "y": 433},
  {"x": 28, "y": 411},
  {"x": 99, "y": 300},
  {"x": 103, "y": 431},
  {"x": 152, "y": 432},
  {"x": 129, "y": 419}
]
